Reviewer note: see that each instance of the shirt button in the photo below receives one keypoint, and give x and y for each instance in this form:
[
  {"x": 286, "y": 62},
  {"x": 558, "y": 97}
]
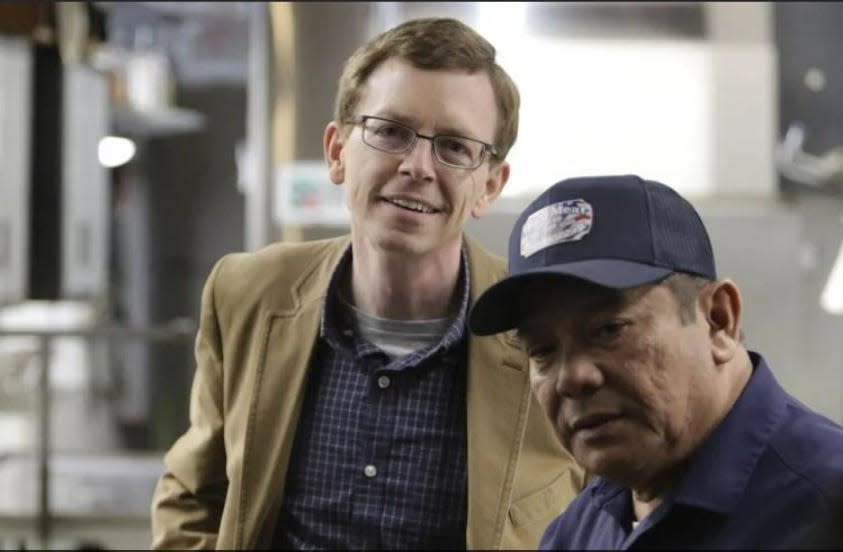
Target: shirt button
[
  {"x": 383, "y": 382},
  {"x": 370, "y": 471}
]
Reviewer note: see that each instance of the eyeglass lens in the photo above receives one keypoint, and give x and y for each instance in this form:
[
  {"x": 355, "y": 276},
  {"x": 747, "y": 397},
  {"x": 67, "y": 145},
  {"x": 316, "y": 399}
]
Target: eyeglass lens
[{"x": 394, "y": 137}]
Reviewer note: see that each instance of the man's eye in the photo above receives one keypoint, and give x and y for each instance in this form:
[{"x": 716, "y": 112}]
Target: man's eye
[
  {"x": 540, "y": 352},
  {"x": 453, "y": 145},
  {"x": 390, "y": 130},
  {"x": 608, "y": 331}
]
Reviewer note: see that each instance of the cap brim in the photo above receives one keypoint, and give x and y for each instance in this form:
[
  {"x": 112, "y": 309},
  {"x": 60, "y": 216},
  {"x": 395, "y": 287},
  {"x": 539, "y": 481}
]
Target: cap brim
[{"x": 496, "y": 310}]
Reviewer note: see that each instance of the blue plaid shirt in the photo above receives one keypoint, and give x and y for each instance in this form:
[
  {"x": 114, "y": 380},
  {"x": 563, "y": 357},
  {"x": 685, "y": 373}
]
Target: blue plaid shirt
[{"x": 379, "y": 458}]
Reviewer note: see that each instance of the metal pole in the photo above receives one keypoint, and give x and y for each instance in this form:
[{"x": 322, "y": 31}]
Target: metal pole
[
  {"x": 258, "y": 185},
  {"x": 43, "y": 518}
]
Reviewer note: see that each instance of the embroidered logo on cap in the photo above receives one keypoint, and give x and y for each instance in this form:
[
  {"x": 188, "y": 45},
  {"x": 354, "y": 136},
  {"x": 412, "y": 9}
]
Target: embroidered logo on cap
[{"x": 561, "y": 222}]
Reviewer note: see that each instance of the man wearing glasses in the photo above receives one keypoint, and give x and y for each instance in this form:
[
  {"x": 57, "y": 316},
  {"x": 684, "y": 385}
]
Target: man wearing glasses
[{"x": 339, "y": 400}]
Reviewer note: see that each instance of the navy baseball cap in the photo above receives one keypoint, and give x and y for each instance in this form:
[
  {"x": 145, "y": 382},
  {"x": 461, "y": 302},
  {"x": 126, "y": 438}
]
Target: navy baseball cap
[{"x": 614, "y": 231}]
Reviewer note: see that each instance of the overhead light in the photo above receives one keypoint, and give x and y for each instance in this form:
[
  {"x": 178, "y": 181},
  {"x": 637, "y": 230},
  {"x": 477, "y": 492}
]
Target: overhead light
[
  {"x": 831, "y": 299},
  {"x": 114, "y": 151}
]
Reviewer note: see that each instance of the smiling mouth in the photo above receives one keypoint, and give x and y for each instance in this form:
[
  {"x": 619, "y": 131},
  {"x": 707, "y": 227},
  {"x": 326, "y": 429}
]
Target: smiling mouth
[{"x": 411, "y": 205}]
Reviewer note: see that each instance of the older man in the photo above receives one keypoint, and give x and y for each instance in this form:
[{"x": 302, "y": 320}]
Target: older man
[{"x": 636, "y": 357}]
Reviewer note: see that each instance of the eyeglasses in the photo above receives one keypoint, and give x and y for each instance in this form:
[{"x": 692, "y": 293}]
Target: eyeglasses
[{"x": 393, "y": 137}]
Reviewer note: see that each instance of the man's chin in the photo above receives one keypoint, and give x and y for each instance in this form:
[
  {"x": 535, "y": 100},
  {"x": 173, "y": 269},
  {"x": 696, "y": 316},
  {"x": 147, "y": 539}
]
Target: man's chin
[
  {"x": 612, "y": 464},
  {"x": 401, "y": 245}
]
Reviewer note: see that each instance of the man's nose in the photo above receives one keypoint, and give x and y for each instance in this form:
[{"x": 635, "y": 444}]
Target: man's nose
[
  {"x": 577, "y": 375},
  {"x": 419, "y": 160}
]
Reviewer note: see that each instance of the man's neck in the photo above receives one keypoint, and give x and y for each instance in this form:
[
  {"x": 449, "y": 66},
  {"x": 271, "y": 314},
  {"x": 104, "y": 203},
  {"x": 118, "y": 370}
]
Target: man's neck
[
  {"x": 643, "y": 506},
  {"x": 647, "y": 498},
  {"x": 401, "y": 286},
  {"x": 733, "y": 378}
]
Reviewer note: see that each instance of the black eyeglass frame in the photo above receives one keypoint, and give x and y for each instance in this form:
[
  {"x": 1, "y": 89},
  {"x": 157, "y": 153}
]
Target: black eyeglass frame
[{"x": 491, "y": 149}]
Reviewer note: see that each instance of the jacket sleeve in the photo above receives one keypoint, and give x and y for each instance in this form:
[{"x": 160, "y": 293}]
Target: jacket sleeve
[{"x": 188, "y": 500}]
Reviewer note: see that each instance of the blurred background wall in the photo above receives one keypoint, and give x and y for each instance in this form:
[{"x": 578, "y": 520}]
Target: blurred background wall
[{"x": 214, "y": 114}]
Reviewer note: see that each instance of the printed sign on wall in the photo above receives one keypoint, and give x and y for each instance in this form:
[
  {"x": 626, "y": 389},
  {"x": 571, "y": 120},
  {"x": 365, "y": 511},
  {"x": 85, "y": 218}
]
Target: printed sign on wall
[{"x": 305, "y": 195}]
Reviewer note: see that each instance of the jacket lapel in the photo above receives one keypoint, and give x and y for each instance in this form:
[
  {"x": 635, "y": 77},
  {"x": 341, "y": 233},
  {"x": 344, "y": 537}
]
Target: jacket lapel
[
  {"x": 287, "y": 341},
  {"x": 498, "y": 397}
]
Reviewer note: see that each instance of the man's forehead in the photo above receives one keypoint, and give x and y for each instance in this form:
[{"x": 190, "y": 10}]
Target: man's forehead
[{"x": 393, "y": 88}]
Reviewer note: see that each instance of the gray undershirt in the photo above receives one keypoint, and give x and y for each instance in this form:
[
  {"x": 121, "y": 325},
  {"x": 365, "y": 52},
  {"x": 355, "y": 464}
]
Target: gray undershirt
[{"x": 397, "y": 338}]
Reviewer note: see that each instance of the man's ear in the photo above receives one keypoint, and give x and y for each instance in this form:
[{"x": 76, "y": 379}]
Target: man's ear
[
  {"x": 495, "y": 181},
  {"x": 332, "y": 144},
  {"x": 721, "y": 304}
]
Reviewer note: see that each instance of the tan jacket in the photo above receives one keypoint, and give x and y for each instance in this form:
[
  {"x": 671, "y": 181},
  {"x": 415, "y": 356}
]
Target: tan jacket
[{"x": 224, "y": 478}]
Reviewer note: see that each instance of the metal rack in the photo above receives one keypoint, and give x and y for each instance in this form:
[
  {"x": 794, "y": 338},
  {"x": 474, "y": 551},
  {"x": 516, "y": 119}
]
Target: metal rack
[{"x": 175, "y": 330}]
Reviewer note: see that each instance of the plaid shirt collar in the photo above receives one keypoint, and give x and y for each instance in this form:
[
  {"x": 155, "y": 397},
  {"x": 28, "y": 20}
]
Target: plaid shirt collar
[{"x": 334, "y": 325}]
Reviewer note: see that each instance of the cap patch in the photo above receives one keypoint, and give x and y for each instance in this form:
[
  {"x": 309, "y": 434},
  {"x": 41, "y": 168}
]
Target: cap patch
[{"x": 561, "y": 222}]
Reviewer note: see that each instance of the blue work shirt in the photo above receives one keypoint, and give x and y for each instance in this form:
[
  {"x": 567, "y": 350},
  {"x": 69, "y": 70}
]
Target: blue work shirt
[{"x": 764, "y": 479}]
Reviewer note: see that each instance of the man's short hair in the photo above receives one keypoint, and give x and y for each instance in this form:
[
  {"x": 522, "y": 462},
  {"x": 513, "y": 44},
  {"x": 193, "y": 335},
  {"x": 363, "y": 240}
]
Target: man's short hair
[
  {"x": 685, "y": 288},
  {"x": 434, "y": 44}
]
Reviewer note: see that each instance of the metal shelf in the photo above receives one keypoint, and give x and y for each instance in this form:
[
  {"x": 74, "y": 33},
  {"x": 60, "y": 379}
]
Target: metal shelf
[{"x": 164, "y": 122}]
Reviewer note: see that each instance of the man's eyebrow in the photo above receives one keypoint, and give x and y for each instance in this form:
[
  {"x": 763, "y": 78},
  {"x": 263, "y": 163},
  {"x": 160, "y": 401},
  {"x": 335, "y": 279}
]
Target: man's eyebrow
[
  {"x": 394, "y": 116},
  {"x": 414, "y": 123},
  {"x": 603, "y": 302},
  {"x": 456, "y": 132}
]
